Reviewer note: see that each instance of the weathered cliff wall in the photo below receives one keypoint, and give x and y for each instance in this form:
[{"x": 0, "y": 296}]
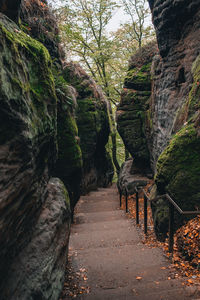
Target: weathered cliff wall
[
  {"x": 38, "y": 21},
  {"x": 38, "y": 139},
  {"x": 69, "y": 163},
  {"x": 93, "y": 128},
  {"x": 34, "y": 209},
  {"x": 177, "y": 25},
  {"x": 80, "y": 152},
  {"x": 175, "y": 102},
  {"x": 133, "y": 110},
  {"x": 171, "y": 127}
]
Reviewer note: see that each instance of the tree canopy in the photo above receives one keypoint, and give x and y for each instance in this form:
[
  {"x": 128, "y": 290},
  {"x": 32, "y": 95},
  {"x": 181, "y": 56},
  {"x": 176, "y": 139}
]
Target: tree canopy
[{"x": 103, "y": 54}]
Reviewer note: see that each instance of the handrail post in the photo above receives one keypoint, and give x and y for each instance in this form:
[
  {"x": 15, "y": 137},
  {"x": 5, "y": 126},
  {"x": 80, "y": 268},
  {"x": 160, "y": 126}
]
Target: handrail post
[
  {"x": 120, "y": 197},
  {"x": 137, "y": 208},
  {"x": 126, "y": 194},
  {"x": 171, "y": 227},
  {"x": 145, "y": 214}
]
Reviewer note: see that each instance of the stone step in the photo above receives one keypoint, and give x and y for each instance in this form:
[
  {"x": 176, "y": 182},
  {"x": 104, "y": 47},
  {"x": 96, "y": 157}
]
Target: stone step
[
  {"x": 108, "y": 246},
  {"x": 143, "y": 292},
  {"x": 105, "y": 238},
  {"x": 106, "y": 225},
  {"x": 96, "y": 217}
]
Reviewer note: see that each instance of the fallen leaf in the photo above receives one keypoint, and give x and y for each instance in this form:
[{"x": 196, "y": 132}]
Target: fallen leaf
[
  {"x": 138, "y": 277},
  {"x": 190, "y": 281}
]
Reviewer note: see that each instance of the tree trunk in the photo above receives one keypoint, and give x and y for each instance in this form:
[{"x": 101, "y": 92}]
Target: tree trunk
[
  {"x": 114, "y": 151},
  {"x": 114, "y": 138}
]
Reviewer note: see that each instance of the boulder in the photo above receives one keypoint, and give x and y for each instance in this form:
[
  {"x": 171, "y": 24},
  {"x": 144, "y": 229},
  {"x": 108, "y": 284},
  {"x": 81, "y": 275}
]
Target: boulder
[
  {"x": 38, "y": 21},
  {"x": 38, "y": 270},
  {"x": 128, "y": 181},
  {"x": 163, "y": 130},
  {"x": 178, "y": 171}
]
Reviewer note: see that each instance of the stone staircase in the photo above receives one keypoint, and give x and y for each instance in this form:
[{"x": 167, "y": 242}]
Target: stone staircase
[{"x": 107, "y": 244}]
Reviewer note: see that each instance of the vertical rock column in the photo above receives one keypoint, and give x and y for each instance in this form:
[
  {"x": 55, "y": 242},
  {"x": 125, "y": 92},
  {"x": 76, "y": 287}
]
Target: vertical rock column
[{"x": 34, "y": 212}]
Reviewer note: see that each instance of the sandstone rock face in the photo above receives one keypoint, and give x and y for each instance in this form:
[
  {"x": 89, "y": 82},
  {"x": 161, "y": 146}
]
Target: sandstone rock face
[
  {"x": 129, "y": 181},
  {"x": 93, "y": 128},
  {"x": 39, "y": 22},
  {"x": 69, "y": 162},
  {"x": 38, "y": 271},
  {"x": 178, "y": 33},
  {"x": 133, "y": 110},
  {"x": 27, "y": 157},
  {"x": 171, "y": 127},
  {"x": 174, "y": 108}
]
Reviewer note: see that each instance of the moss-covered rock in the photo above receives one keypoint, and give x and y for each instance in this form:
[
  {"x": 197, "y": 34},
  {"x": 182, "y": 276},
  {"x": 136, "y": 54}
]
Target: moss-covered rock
[
  {"x": 178, "y": 167},
  {"x": 139, "y": 78},
  {"x": 178, "y": 171},
  {"x": 93, "y": 128},
  {"x": 133, "y": 115},
  {"x": 28, "y": 149},
  {"x": 38, "y": 20},
  {"x": 69, "y": 163},
  {"x": 194, "y": 95}
]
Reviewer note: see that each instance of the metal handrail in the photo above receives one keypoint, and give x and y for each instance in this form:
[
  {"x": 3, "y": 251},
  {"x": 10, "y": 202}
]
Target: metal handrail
[{"x": 172, "y": 205}]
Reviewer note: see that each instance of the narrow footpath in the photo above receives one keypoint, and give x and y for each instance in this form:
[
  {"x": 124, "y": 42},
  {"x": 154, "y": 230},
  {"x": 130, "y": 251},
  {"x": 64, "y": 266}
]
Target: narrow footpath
[{"x": 106, "y": 247}]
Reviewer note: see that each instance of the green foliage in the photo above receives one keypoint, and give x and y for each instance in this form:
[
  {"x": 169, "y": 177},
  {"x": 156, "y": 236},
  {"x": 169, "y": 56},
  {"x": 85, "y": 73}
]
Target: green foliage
[
  {"x": 83, "y": 27},
  {"x": 105, "y": 56},
  {"x": 137, "y": 30}
]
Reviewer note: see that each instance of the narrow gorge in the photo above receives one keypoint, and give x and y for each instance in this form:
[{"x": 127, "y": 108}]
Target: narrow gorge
[
  {"x": 55, "y": 127},
  {"x": 44, "y": 104}
]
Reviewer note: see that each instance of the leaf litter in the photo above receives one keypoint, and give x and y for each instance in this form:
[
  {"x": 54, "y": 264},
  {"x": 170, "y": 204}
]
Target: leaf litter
[
  {"x": 186, "y": 255},
  {"x": 75, "y": 281}
]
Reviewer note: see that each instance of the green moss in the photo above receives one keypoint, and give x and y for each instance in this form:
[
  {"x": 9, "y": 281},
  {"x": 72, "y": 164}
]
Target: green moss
[
  {"x": 31, "y": 85},
  {"x": 194, "y": 96},
  {"x": 83, "y": 88},
  {"x": 178, "y": 168},
  {"x": 146, "y": 67},
  {"x": 67, "y": 199},
  {"x": 139, "y": 78},
  {"x": 19, "y": 40},
  {"x": 69, "y": 151}
]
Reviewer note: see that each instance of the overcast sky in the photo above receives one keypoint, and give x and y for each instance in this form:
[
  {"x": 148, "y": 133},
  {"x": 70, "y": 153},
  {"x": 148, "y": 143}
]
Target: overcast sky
[{"x": 118, "y": 16}]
